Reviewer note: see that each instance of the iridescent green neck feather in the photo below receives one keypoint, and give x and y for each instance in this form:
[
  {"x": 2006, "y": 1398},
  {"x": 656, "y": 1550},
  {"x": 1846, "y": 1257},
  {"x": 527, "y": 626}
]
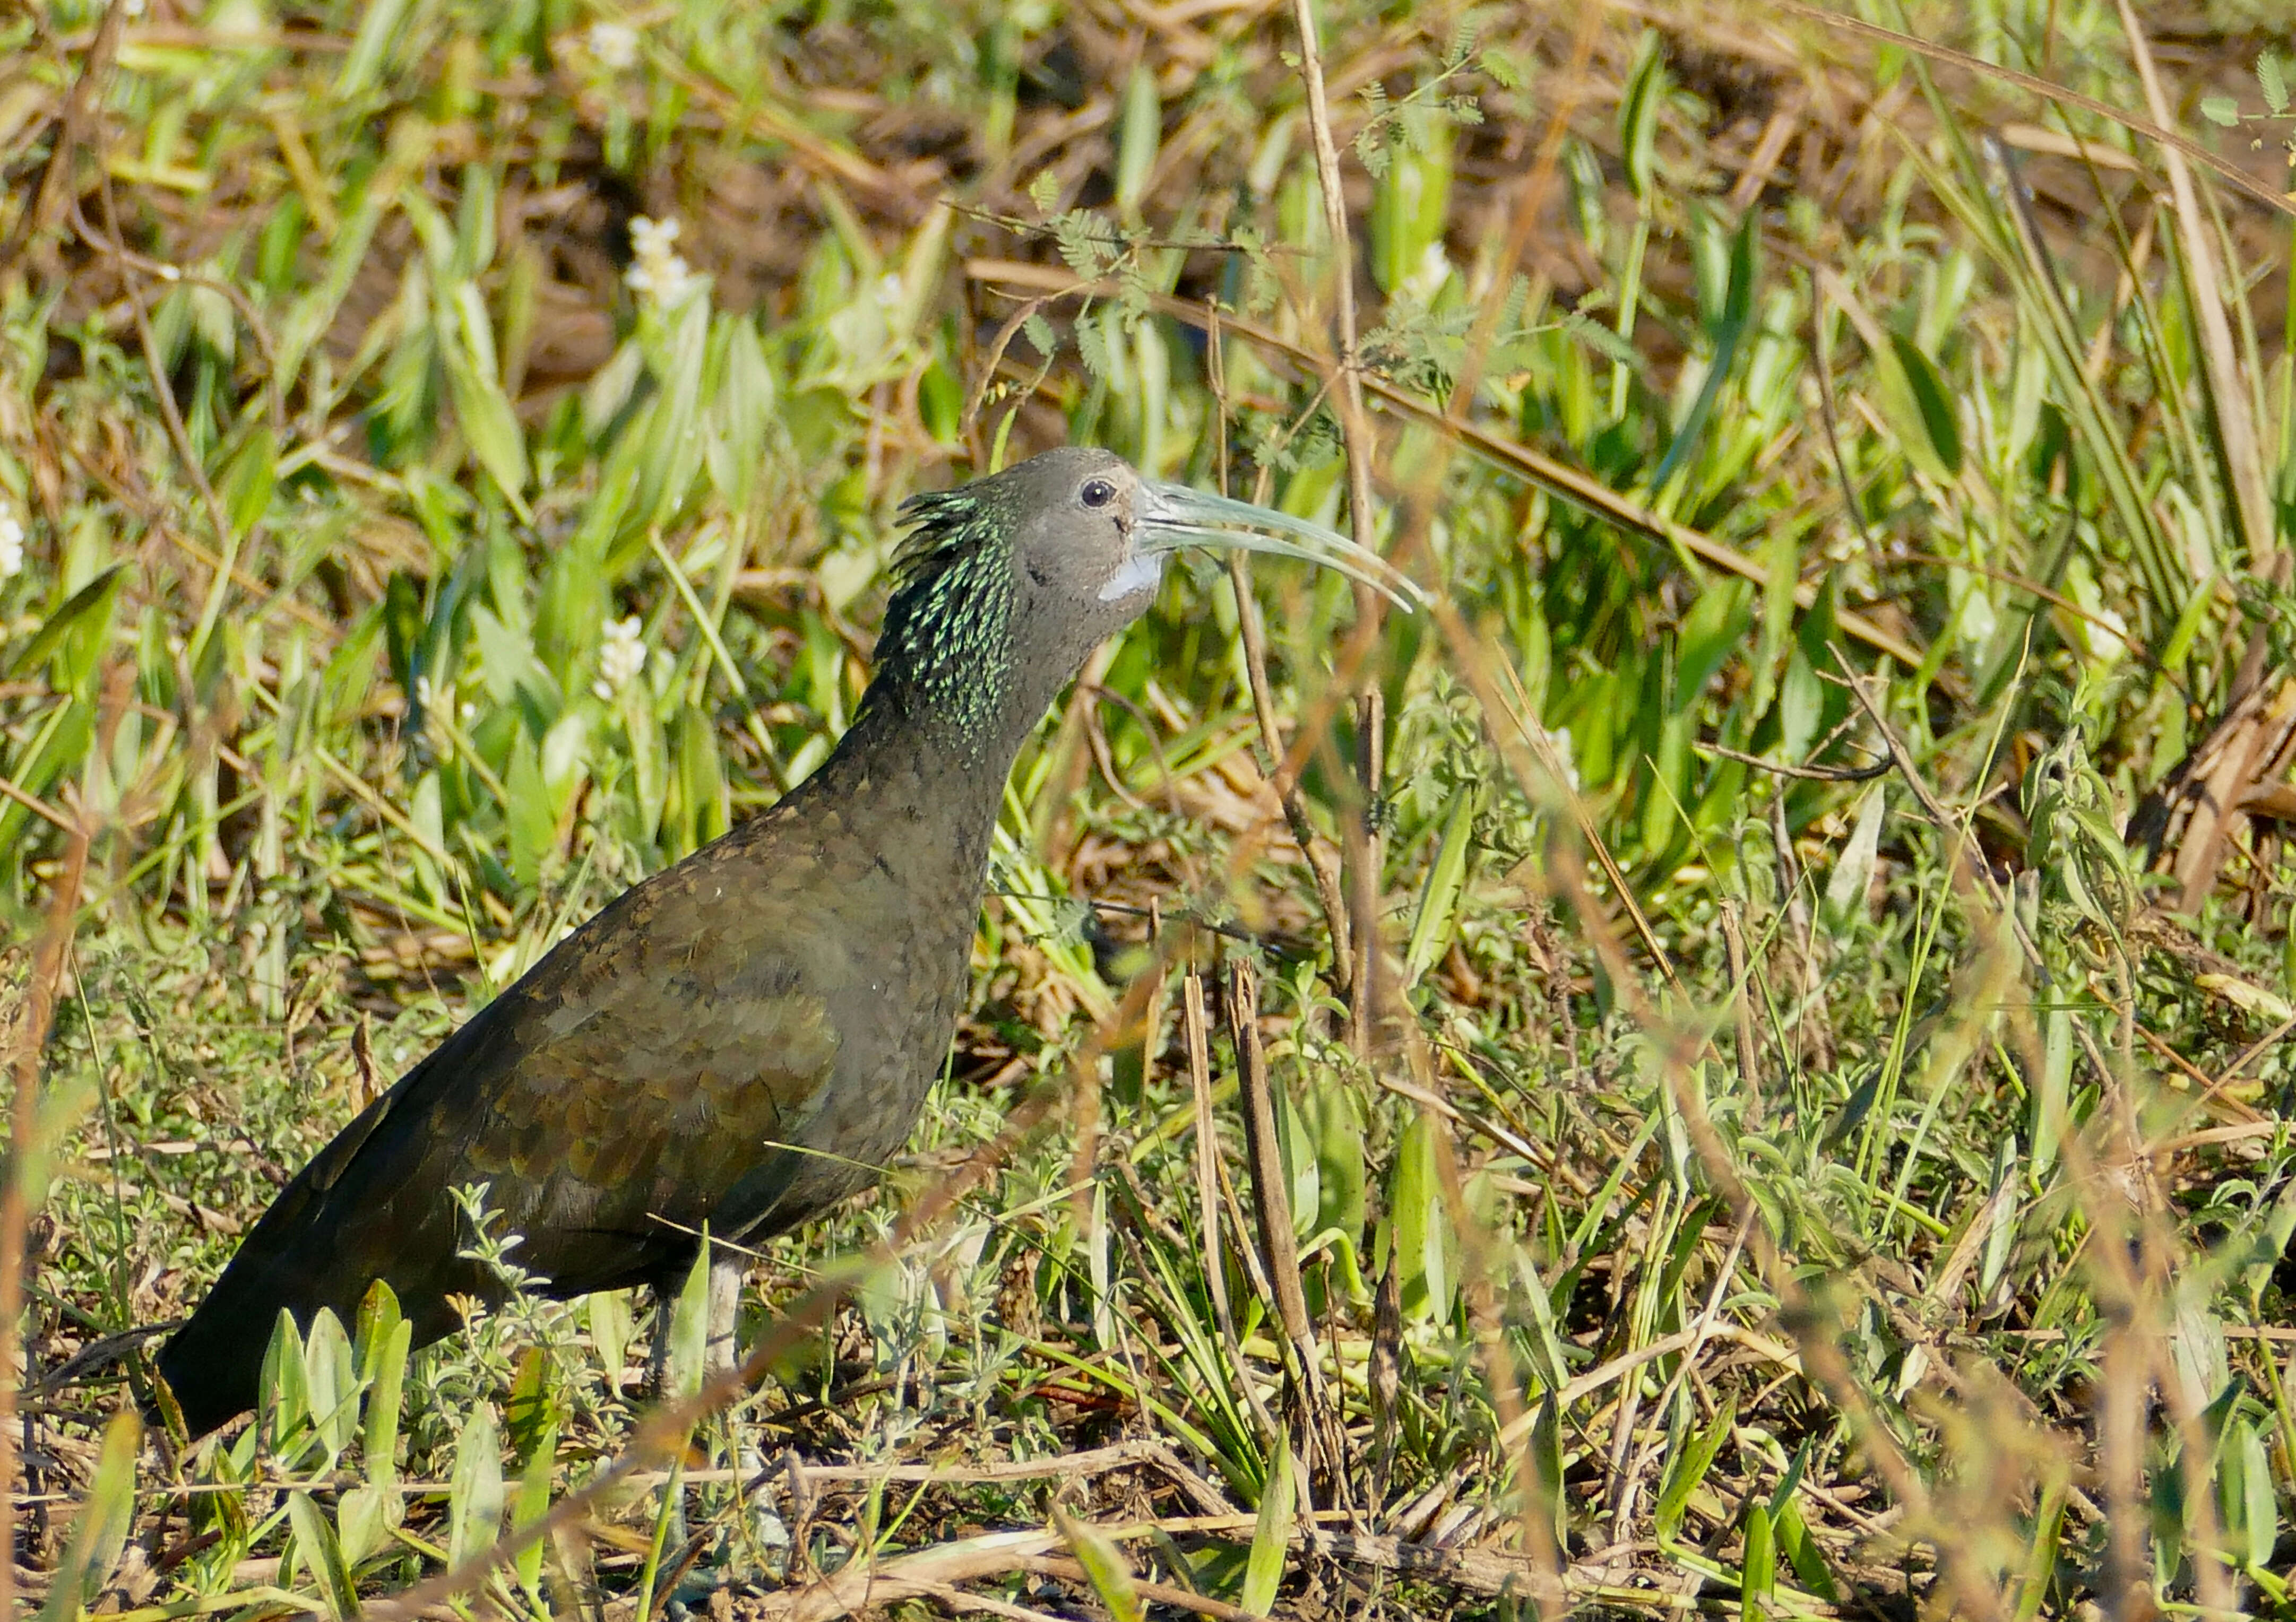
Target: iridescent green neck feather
[{"x": 947, "y": 656}]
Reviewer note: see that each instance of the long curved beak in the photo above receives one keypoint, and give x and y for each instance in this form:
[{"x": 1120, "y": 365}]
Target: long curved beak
[{"x": 1173, "y": 516}]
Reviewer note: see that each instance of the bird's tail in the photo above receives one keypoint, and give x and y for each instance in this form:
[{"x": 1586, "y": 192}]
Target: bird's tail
[{"x": 214, "y": 1367}]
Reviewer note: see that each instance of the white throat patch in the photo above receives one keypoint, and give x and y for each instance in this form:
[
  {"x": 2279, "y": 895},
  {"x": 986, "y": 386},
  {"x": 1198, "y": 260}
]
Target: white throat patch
[{"x": 1140, "y": 572}]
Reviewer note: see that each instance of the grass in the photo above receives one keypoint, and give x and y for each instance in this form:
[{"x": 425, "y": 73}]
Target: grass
[{"x": 1797, "y": 1127}]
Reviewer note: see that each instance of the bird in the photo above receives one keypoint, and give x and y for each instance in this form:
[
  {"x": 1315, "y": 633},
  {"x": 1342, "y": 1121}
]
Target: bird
[{"x": 741, "y": 1040}]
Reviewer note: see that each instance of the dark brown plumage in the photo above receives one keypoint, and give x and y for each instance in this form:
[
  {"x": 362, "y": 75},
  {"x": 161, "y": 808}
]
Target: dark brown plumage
[{"x": 738, "y": 1041}]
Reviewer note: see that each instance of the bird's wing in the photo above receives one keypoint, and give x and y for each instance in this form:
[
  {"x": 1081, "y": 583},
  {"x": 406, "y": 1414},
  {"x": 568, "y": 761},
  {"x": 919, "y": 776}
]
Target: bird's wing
[
  {"x": 610, "y": 1100},
  {"x": 643, "y": 1098}
]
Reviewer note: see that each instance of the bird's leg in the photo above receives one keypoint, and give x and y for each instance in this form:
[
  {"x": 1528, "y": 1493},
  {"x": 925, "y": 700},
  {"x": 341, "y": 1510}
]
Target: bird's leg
[
  {"x": 721, "y": 1321},
  {"x": 721, "y": 1345},
  {"x": 722, "y": 1350},
  {"x": 728, "y": 1268}
]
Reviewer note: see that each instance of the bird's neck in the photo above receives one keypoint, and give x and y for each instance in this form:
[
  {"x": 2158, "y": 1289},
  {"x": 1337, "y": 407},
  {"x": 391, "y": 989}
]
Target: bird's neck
[
  {"x": 958, "y": 679},
  {"x": 959, "y": 723},
  {"x": 920, "y": 791}
]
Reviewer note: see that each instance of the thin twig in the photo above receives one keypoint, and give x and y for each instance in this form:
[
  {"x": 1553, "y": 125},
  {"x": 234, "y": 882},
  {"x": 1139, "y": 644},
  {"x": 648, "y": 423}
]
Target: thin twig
[
  {"x": 1279, "y": 1240},
  {"x": 1281, "y": 775},
  {"x": 1809, "y": 774},
  {"x": 1370, "y": 866},
  {"x": 1355, "y": 423},
  {"x": 1196, "y": 1028},
  {"x": 1362, "y": 853},
  {"x": 1284, "y": 777}
]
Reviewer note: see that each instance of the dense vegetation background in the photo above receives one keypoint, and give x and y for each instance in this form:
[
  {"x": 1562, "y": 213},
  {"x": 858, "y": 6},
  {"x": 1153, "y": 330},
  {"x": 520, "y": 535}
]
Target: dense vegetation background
[{"x": 1767, "y": 1005}]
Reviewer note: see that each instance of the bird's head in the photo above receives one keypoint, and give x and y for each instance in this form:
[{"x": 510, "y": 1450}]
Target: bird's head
[{"x": 1007, "y": 583}]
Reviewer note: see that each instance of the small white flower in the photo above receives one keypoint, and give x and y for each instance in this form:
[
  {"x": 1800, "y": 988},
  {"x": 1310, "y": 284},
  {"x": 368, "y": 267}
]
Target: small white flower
[
  {"x": 622, "y": 656},
  {"x": 659, "y": 272},
  {"x": 1425, "y": 280},
  {"x": 2104, "y": 634},
  {"x": 615, "y": 45},
  {"x": 134, "y": 9},
  {"x": 12, "y": 545}
]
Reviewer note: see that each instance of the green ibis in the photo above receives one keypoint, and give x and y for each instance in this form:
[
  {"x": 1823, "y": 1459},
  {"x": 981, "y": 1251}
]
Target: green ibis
[{"x": 738, "y": 1042}]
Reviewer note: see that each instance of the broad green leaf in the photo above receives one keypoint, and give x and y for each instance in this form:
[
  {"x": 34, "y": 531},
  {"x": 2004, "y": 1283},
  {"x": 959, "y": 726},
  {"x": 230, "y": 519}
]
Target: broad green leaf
[
  {"x": 1685, "y": 1471},
  {"x": 1941, "y": 420},
  {"x": 285, "y": 1404},
  {"x": 672, "y": 448},
  {"x": 2046, "y": 1117},
  {"x": 609, "y": 1315},
  {"x": 490, "y": 426},
  {"x": 1139, "y": 137},
  {"x": 1801, "y": 708},
  {"x": 107, "y": 1512},
  {"x": 740, "y": 409},
  {"x": 1303, "y": 1178},
  {"x": 86, "y": 606},
  {"x": 474, "y": 1508},
  {"x": 688, "y": 1329},
  {"x": 474, "y": 233},
  {"x": 1544, "y": 1455},
  {"x": 1758, "y": 1575},
  {"x": 1413, "y": 202},
  {"x": 697, "y": 810},
  {"x": 1332, "y": 1118},
  {"x": 533, "y": 1503},
  {"x": 1713, "y": 629},
  {"x": 536, "y": 1404},
  {"x": 379, "y": 32},
  {"x": 386, "y": 1377},
  {"x": 1729, "y": 333},
  {"x": 2251, "y": 1510},
  {"x": 506, "y": 660},
  {"x": 321, "y": 1553},
  {"x": 533, "y": 831},
  {"x": 2032, "y": 1586},
  {"x": 1105, "y": 1566},
  {"x": 362, "y": 1521},
  {"x": 1801, "y": 1551},
  {"x": 1853, "y": 872},
  {"x": 1426, "y": 1250},
  {"x": 1438, "y": 898},
  {"x": 1638, "y": 109},
  {"x": 940, "y": 402},
  {"x": 61, "y": 745},
  {"x": 246, "y": 483},
  {"x": 378, "y": 1318},
  {"x": 1271, "y": 1535},
  {"x": 2220, "y": 110},
  {"x": 333, "y": 1383}
]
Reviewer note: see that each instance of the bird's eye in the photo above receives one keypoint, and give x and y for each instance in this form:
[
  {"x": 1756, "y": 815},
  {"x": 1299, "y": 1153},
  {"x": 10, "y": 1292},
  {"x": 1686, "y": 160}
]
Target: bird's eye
[{"x": 1096, "y": 493}]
